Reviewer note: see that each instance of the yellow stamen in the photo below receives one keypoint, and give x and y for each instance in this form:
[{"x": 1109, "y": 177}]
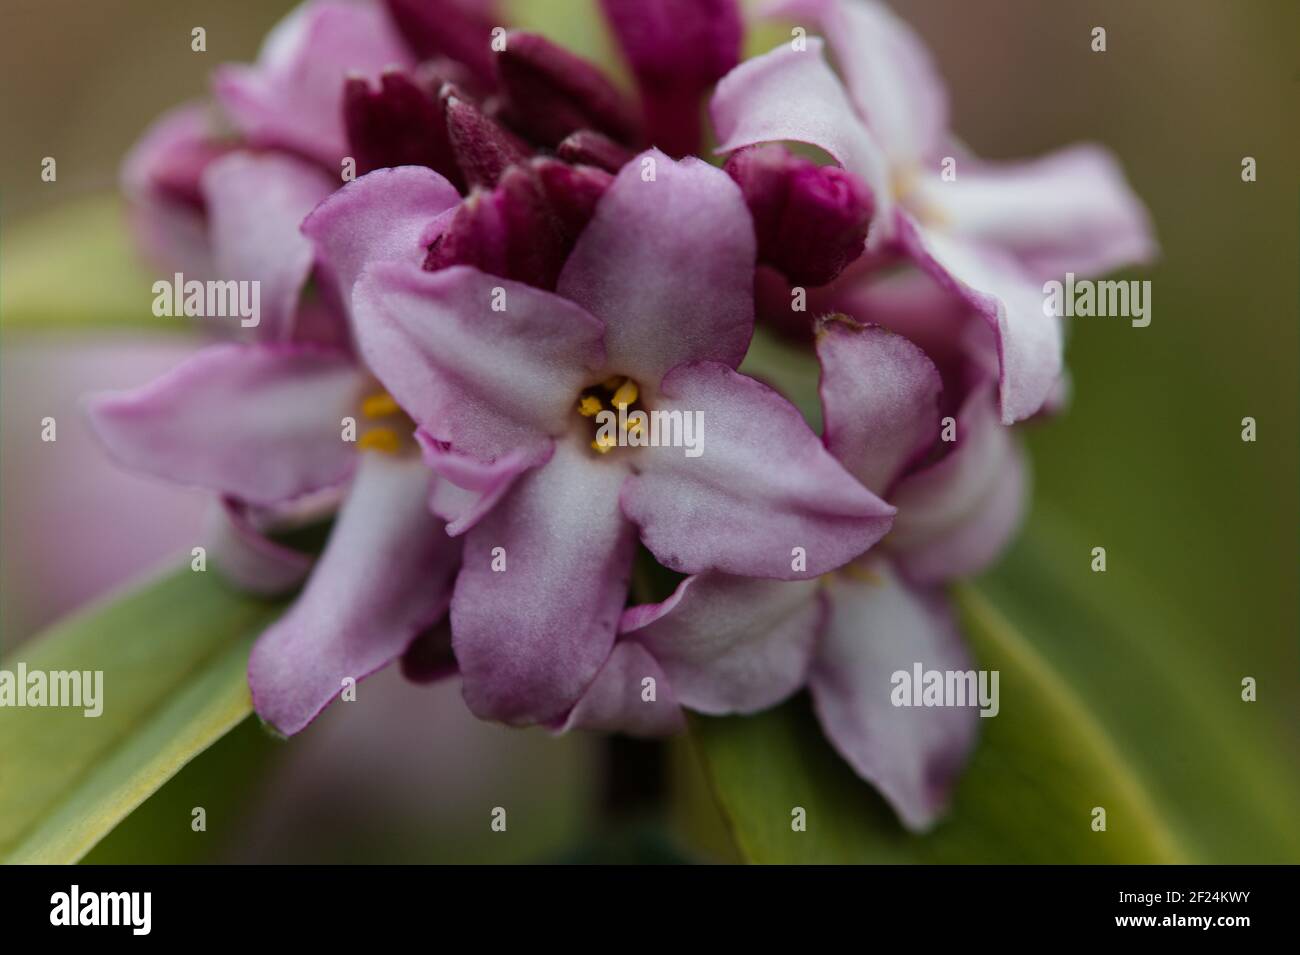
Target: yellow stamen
[
  {"x": 589, "y": 406},
  {"x": 625, "y": 395},
  {"x": 634, "y": 425},
  {"x": 379, "y": 406},
  {"x": 383, "y": 440},
  {"x": 604, "y": 444}
]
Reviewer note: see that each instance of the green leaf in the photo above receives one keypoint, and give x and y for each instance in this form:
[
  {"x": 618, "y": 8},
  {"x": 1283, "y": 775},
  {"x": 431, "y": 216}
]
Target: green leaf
[
  {"x": 1061, "y": 745},
  {"x": 173, "y": 656},
  {"x": 792, "y": 371},
  {"x": 76, "y": 268}
]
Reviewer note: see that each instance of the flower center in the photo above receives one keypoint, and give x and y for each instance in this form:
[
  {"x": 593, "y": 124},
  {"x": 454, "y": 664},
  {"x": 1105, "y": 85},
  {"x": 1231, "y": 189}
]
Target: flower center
[
  {"x": 393, "y": 434},
  {"x": 611, "y": 406},
  {"x": 905, "y": 183}
]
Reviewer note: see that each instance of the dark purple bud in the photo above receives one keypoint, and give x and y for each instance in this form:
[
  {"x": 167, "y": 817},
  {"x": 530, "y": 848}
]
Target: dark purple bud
[
  {"x": 590, "y": 148},
  {"x": 550, "y": 92},
  {"x": 459, "y": 29},
  {"x": 525, "y": 228},
  {"x": 810, "y": 220},
  {"x": 483, "y": 148},
  {"x": 432, "y": 75},
  {"x": 571, "y": 193},
  {"x": 677, "y": 50},
  {"x": 398, "y": 124}
]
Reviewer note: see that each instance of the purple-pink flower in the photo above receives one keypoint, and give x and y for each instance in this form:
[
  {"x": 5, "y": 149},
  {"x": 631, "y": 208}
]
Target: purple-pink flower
[
  {"x": 504, "y": 362},
  {"x": 990, "y": 232},
  {"x": 652, "y": 313},
  {"x": 722, "y": 645}
]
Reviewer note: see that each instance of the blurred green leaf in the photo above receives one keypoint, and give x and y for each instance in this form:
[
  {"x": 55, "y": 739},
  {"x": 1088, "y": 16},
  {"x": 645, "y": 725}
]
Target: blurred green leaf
[
  {"x": 791, "y": 370},
  {"x": 76, "y": 268},
  {"x": 173, "y": 654}
]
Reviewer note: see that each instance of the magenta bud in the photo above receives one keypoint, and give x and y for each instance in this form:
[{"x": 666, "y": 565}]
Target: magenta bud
[
  {"x": 458, "y": 29},
  {"x": 810, "y": 220},
  {"x": 398, "y": 124},
  {"x": 550, "y": 92},
  {"x": 483, "y": 148},
  {"x": 677, "y": 50},
  {"x": 571, "y": 193},
  {"x": 525, "y": 228},
  {"x": 590, "y": 148}
]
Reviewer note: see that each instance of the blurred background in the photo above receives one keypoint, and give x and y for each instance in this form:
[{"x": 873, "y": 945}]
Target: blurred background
[{"x": 1200, "y": 528}]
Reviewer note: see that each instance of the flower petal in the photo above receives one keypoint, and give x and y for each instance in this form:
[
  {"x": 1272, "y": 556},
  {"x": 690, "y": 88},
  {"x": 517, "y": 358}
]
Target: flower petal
[
  {"x": 955, "y": 516},
  {"x": 792, "y": 95},
  {"x": 255, "y": 205},
  {"x": 880, "y": 400},
  {"x": 387, "y": 215},
  {"x": 160, "y": 177},
  {"x": 731, "y": 644},
  {"x": 481, "y": 381},
  {"x": 762, "y": 488},
  {"x": 385, "y": 575},
  {"x": 677, "y": 50},
  {"x": 614, "y": 702},
  {"x": 470, "y": 488},
  {"x": 261, "y": 423},
  {"x": 1029, "y": 340},
  {"x": 911, "y": 754},
  {"x": 292, "y": 98},
  {"x": 668, "y": 264},
  {"x": 248, "y": 558},
  {"x": 1068, "y": 211},
  {"x": 887, "y": 69},
  {"x": 531, "y": 637}
]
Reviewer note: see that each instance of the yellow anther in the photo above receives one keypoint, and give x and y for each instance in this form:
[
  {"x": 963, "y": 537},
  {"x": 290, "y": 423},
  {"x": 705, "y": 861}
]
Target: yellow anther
[
  {"x": 604, "y": 443},
  {"x": 625, "y": 395},
  {"x": 384, "y": 440},
  {"x": 589, "y": 406},
  {"x": 634, "y": 425},
  {"x": 379, "y": 406}
]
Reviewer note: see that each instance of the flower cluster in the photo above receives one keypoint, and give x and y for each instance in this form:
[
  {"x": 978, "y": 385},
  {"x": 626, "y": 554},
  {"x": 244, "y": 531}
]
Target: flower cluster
[{"x": 474, "y": 246}]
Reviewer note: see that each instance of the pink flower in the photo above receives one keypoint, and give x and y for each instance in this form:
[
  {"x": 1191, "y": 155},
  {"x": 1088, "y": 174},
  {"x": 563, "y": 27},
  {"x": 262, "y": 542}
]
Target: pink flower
[
  {"x": 262, "y": 425},
  {"x": 722, "y": 644},
  {"x": 652, "y": 312},
  {"x": 992, "y": 233}
]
